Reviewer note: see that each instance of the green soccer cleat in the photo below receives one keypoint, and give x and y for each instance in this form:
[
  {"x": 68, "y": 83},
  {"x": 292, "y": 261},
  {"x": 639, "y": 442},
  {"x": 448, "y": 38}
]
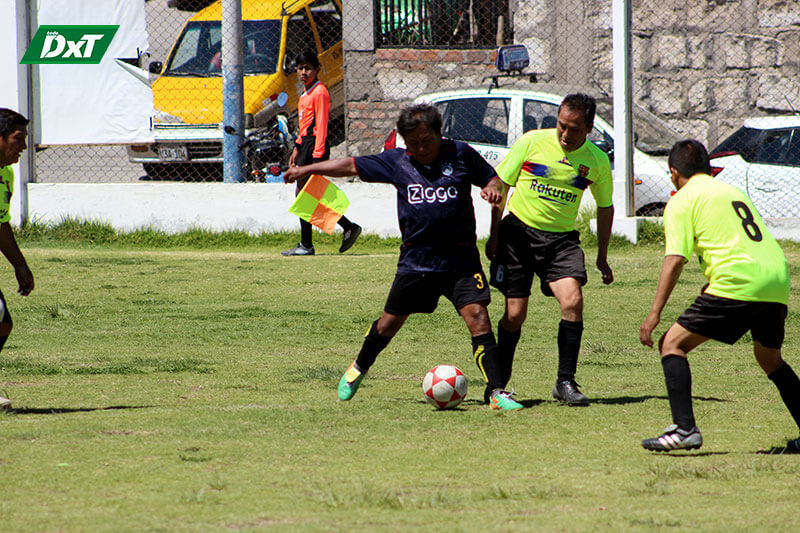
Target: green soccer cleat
[
  {"x": 502, "y": 400},
  {"x": 349, "y": 383}
]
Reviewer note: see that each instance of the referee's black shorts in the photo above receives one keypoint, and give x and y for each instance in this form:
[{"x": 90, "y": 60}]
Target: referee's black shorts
[
  {"x": 419, "y": 292},
  {"x": 726, "y": 320},
  {"x": 305, "y": 156},
  {"x": 524, "y": 251}
]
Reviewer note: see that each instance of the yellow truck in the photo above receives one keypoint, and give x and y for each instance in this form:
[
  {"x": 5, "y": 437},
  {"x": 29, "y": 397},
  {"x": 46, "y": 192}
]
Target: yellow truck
[{"x": 187, "y": 94}]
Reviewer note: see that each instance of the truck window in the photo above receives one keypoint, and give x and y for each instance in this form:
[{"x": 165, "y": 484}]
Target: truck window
[
  {"x": 328, "y": 20},
  {"x": 299, "y": 36},
  {"x": 199, "y": 49}
]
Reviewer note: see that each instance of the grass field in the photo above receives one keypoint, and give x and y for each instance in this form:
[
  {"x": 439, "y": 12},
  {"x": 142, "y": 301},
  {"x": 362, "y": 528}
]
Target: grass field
[{"x": 192, "y": 388}]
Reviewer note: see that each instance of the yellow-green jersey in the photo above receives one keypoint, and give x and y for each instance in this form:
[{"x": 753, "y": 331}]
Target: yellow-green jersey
[
  {"x": 6, "y": 190},
  {"x": 739, "y": 256},
  {"x": 549, "y": 182}
]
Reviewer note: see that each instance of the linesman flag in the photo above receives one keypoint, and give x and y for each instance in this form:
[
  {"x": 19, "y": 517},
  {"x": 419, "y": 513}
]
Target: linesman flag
[{"x": 320, "y": 203}]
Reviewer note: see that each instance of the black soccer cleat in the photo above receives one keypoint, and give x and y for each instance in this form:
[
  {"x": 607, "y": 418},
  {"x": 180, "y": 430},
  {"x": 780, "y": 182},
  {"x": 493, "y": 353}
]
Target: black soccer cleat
[
  {"x": 675, "y": 438},
  {"x": 567, "y": 391},
  {"x": 349, "y": 237},
  {"x": 793, "y": 446}
]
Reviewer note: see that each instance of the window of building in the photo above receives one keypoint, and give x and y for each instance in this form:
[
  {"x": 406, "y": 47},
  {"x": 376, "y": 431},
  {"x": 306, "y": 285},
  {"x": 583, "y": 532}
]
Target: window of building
[{"x": 442, "y": 23}]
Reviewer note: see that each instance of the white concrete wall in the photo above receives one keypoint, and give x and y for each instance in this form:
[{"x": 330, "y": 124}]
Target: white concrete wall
[
  {"x": 176, "y": 207},
  {"x": 250, "y": 207}
]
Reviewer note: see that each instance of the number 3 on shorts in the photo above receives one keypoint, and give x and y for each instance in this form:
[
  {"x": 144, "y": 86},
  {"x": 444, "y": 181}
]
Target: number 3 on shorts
[{"x": 478, "y": 280}]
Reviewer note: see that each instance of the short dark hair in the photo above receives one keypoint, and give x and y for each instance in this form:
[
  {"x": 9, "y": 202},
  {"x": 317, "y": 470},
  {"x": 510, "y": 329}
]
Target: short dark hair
[
  {"x": 308, "y": 57},
  {"x": 11, "y": 121},
  {"x": 412, "y": 116},
  {"x": 689, "y": 157},
  {"x": 581, "y": 102}
]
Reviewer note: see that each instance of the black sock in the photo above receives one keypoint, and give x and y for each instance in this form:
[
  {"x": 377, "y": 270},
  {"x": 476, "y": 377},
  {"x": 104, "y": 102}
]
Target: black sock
[
  {"x": 506, "y": 347},
  {"x": 373, "y": 345},
  {"x": 484, "y": 350},
  {"x": 789, "y": 386},
  {"x": 345, "y": 223},
  {"x": 678, "y": 377},
  {"x": 569, "y": 344},
  {"x": 305, "y": 234}
]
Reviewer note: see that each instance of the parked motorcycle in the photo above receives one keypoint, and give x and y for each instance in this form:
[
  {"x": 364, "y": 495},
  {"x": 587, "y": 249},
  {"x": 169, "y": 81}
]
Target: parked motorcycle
[{"x": 269, "y": 151}]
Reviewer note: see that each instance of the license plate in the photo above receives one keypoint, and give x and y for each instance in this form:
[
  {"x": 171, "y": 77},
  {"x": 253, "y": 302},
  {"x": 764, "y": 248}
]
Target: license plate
[{"x": 173, "y": 152}]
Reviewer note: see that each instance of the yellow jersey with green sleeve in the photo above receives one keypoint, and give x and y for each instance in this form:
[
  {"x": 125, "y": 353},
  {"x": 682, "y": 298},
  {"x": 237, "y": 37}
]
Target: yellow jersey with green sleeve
[
  {"x": 549, "y": 182},
  {"x": 6, "y": 190},
  {"x": 738, "y": 255}
]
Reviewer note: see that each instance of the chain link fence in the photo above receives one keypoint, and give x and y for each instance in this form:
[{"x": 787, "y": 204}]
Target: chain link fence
[{"x": 702, "y": 69}]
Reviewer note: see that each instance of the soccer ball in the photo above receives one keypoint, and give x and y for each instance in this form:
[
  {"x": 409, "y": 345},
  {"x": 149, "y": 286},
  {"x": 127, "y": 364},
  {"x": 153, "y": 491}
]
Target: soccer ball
[{"x": 444, "y": 386}]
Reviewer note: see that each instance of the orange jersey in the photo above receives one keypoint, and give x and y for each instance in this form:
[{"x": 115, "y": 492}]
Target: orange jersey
[{"x": 313, "y": 109}]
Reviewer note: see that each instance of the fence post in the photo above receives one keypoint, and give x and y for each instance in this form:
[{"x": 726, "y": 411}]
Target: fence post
[
  {"x": 232, "y": 92},
  {"x": 25, "y": 24},
  {"x": 623, "y": 121}
]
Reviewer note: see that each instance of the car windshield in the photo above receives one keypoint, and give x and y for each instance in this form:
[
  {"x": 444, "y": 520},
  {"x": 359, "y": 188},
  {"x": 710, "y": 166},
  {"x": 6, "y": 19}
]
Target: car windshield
[
  {"x": 743, "y": 141},
  {"x": 478, "y": 120},
  {"x": 199, "y": 49}
]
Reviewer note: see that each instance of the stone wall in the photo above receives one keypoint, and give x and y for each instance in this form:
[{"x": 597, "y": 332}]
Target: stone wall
[
  {"x": 700, "y": 67},
  {"x": 379, "y": 83}
]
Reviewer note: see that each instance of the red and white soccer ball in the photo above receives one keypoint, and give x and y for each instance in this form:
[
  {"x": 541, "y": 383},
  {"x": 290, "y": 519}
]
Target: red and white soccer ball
[{"x": 444, "y": 386}]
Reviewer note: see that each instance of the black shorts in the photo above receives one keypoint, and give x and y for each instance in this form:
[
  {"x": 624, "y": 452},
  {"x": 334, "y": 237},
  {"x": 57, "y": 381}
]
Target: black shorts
[
  {"x": 524, "y": 251},
  {"x": 726, "y": 320},
  {"x": 419, "y": 292},
  {"x": 305, "y": 156}
]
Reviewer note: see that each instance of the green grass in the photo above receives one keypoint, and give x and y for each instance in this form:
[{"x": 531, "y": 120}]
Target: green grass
[{"x": 192, "y": 387}]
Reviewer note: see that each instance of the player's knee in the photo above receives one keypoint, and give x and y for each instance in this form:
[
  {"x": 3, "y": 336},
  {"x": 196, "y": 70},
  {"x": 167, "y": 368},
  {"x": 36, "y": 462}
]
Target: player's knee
[
  {"x": 388, "y": 325},
  {"x": 478, "y": 322},
  {"x": 573, "y": 305},
  {"x": 514, "y": 321}
]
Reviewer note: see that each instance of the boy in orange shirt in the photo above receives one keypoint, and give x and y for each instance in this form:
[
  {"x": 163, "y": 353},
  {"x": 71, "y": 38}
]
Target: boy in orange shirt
[{"x": 313, "y": 145}]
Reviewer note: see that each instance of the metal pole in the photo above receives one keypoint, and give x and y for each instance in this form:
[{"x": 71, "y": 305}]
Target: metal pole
[
  {"x": 232, "y": 92},
  {"x": 25, "y": 25},
  {"x": 623, "y": 116}
]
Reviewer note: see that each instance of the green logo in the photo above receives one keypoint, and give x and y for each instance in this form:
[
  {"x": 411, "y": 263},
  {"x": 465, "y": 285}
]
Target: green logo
[{"x": 69, "y": 44}]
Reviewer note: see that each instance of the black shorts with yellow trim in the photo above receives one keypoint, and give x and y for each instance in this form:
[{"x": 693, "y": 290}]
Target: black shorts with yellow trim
[
  {"x": 524, "y": 251},
  {"x": 727, "y": 320},
  {"x": 419, "y": 292}
]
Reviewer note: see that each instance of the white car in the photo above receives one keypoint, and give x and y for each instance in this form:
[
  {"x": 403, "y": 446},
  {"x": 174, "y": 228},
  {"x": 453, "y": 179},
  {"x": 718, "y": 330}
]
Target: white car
[
  {"x": 762, "y": 158},
  {"x": 490, "y": 120}
]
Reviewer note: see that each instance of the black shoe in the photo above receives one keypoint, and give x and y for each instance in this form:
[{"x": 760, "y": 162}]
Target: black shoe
[
  {"x": 793, "y": 446},
  {"x": 349, "y": 237},
  {"x": 299, "y": 250},
  {"x": 675, "y": 438},
  {"x": 567, "y": 392}
]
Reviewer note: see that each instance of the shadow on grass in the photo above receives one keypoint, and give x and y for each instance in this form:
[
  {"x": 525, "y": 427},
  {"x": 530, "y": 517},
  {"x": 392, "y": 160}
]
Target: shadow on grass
[
  {"x": 479, "y": 403},
  {"x": 66, "y": 410},
  {"x": 674, "y": 453},
  {"x": 777, "y": 450},
  {"x": 624, "y": 400}
]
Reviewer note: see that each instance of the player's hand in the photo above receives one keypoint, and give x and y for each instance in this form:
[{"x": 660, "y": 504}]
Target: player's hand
[
  {"x": 493, "y": 192},
  {"x": 293, "y": 174},
  {"x": 646, "y": 329},
  {"x": 24, "y": 279},
  {"x": 491, "y": 247},
  {"x": 293, "y": 158},
  {"x": 605, "y": 271}
]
